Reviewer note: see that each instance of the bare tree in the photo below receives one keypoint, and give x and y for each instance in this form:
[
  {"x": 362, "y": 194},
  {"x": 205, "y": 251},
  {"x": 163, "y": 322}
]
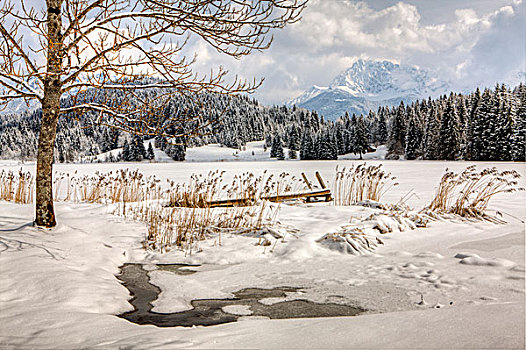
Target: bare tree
[{"x": 112, "y": 45}]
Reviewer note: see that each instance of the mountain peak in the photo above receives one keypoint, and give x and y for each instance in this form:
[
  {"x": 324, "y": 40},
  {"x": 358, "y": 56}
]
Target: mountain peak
[{"x": 368, "y": 84}]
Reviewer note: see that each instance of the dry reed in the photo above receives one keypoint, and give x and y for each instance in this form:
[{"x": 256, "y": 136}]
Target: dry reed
[
  {"x": 16, "y": 187},
  {"x": 189, "y": 218},
  {"x": 356, "y": 184},
  {"x": 120, "y": 186},
  {"x": 246, "y": 188},
  {"x": 468, "y": 193},
  {"x": 183, "y": 227}
]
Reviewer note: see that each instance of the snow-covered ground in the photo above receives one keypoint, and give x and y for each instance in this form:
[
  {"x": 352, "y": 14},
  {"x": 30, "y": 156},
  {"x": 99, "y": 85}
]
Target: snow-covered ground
[
  {"x": 252, "y": 151},
  {"x": 59, "y": 289}
]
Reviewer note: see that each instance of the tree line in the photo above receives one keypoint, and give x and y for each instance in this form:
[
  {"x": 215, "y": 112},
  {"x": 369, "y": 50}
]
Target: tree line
[{"x": 484, "y": 125}]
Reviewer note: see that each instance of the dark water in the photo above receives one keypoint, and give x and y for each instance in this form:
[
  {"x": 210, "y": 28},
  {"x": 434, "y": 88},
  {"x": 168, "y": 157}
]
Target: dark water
[{"x": 208, "y": 312}]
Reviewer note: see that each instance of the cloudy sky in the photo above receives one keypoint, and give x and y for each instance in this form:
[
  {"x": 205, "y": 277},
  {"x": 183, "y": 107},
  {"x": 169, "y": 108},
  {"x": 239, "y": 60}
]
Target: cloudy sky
[{"x": 466, "y": 42}]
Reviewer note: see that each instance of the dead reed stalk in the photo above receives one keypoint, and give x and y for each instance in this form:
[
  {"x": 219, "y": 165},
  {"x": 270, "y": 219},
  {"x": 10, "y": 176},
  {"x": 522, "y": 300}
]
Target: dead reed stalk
[
  {"x": 16, "y": 187},
  {"x": 356, "y": 184},
  {"x": 468, "y": 193},
  {"x": 183, "y": 227}
]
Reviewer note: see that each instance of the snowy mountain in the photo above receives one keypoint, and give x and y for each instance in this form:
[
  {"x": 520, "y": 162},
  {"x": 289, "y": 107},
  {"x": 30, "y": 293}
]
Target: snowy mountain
[
  {"x": 20, "y": 105},
  {"x": 368, "y": 85}
]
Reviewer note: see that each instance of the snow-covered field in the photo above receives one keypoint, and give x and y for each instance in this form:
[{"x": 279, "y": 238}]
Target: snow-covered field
[
  {"x": 58, "y": 287},
  {"x": 252, "y": 151}
]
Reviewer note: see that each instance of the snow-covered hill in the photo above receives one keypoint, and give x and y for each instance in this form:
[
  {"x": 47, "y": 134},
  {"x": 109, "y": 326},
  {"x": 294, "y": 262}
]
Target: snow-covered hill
[{"x": 369, "y": 84}]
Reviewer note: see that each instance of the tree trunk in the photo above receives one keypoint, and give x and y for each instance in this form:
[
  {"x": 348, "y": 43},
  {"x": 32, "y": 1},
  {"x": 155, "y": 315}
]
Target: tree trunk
[{"x": 44, "y": 212}]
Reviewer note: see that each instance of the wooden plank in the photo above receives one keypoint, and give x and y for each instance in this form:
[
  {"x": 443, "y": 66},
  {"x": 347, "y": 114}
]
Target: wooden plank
[
  {"x": 322, "y": 193},
  {"x": 247, "y": 201},
  {"x": 306, "y": 181},
  {"x": 320, "y": 180},
  {"x": 328, "y": 198},
  {"x": 236, "y": 202}
]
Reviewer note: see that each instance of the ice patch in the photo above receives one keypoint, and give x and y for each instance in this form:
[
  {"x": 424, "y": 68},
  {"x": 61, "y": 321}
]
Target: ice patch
[
  {"x": 241, "y": 310},
  {"x": 271, "y": 301}
]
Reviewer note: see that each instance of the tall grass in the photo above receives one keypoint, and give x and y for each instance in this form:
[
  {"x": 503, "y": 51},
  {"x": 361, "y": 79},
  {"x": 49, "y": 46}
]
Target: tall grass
[
  {"x": 355, "y": 184},
  {"x": 197, "y": 192},
  {"x": 16, "y": 186},
  {"x": 190, "y": 218},
  {"x": 247, "y": 188},
  {"x": 183, "y": 227},
  {"x": 468, "y": 193},
  {"x": 122, "y": 185}
]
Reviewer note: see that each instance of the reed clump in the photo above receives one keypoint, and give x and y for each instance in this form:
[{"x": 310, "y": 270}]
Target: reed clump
[
  {"x": 190, "y": 218},
  {"x": 468, "y": 193},
  {"x": 362, "y": 182},
  {"x": 122, "y": 185},
  {"x": 17, "y": 187},
  {"x": 183, "y": 228},
  {"x": 200, "y": 190},
  {"x": 246, "y": 189}
]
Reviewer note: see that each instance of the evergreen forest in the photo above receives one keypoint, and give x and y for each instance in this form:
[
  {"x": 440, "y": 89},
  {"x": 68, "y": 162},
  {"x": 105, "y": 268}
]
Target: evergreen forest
[{"x": 485, "y": 125}]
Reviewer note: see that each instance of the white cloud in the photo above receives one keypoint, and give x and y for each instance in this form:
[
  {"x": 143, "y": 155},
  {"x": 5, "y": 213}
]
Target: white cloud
[
  {"x": 333, "y": 34},
  {"x": 471, "y": 42},
  {"x": 500, "y": 53}
]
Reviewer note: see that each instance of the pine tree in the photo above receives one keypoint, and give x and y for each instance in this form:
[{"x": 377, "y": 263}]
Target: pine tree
[
  {"x": 327, "y": 147},
  {"x": 504, "y": 126},
  {"x": 381, "y": 129},
  {"x": 126, "y": 151},
  {"x": 293, "y": 154},
  {"x": 519, "y": 127},
  {"x": 139, "y": 148},
  {"x": 413, "y": 139},
  {"x": 106, "y": 142},
  {"x": 150, "y": 155},
  {"x": 491, "y": 131},
  {"x": 294, "y": 138},
  {"x": 396, "y": 142},
  {"x": 448, "y": 140},
  {"x": 463, "y": 122},
  {"x": 177, "y": 150},
  {"x": 339, "y": 135},
  {"x": 268, "y": 141},
  {"x": 483, "y": 127},
  {"x": 350, "y": 135},
  {"x": 160, "y": 142},
  {"x": 114, "y": 137},
  {"x": 431, "y": 133},
  {"x": 276, "y": 151},
  {"x": 361, "y": 137},
  {"x": 479, "y": 115},
  {"x": 307, "y": 150}
]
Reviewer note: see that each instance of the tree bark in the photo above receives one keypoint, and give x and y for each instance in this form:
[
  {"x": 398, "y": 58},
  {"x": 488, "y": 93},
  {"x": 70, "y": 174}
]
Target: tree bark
[{"x": 44, "y": 211}]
